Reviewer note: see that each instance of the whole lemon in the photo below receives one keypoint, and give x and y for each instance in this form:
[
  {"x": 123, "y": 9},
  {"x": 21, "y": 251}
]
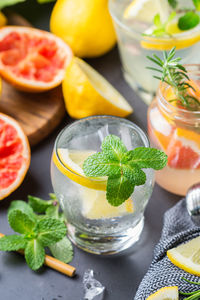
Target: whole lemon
[{"x": 85, "y": 25}]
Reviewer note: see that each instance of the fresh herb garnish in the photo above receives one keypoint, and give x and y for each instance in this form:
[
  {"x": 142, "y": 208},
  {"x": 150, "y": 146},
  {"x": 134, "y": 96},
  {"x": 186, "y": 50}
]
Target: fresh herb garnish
[
  {"x": 188, "y": 21},
  {"x": 37, "y": 231},
  {"x": 175, "y": 75},
  {"x": 173, "y": 3},
  {"x": 196, "y": 4},
  {"x": 122, "y": 167},
  {"x": 161, "y": 28},
  {"x": 192, "y": 295}
]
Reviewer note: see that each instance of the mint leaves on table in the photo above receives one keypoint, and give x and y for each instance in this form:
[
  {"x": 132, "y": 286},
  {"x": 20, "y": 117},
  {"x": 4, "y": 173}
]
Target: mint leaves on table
[
  {"x": 122, "y": 167},
  {"x": 37, "y": 231}
]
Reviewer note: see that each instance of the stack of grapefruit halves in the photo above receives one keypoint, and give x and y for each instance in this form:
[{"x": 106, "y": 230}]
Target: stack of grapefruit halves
[
  {"x": 32, "y": 59},
  {"x": 14, "y": 155}
]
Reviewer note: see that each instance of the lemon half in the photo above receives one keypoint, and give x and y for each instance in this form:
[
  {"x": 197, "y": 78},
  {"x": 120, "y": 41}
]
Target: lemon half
[
  {"x": 166, "y": 293},
  {"x": 87, "y": 93},
  {"x": 187, "y": 256}
]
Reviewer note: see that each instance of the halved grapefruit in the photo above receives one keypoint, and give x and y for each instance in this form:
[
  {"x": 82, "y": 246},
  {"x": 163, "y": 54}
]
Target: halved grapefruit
[
  {"x": 32, "y": 59},
  {"x": 14, "y": 155}
]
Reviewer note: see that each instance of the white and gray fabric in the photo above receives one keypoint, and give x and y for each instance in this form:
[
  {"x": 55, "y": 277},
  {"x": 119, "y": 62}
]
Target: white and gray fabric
[{"x": 178, "y": 228}]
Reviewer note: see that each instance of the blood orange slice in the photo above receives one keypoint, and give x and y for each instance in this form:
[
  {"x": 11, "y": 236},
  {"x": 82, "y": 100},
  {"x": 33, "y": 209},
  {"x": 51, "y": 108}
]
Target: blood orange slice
[
  {"x": 32, "y": 59},
  {"x": 14, "y": 155}
]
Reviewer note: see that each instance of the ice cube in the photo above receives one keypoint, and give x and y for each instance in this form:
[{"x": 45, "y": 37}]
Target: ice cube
[{"x": 93, "y": 289}]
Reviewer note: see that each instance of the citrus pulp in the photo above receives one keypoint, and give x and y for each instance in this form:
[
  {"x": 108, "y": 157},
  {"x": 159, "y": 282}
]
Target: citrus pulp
[
  {"x": 14, "y": 155},
  {"x": 32, "y": 59}
]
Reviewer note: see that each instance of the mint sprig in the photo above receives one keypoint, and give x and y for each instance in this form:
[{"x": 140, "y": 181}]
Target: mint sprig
[
  {"x": 37, "y": 231},
  {"x": 122, "y": 167}
]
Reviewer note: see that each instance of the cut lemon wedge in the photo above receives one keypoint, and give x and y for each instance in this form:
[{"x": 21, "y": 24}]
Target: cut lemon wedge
[
  {"x": 187, "y": 256},
  {"x": 145, "y": 10},
  {"x": 166, "y": 293},
  {"x": 92, "y": 192},
  {"x": 87, "y": 93}
]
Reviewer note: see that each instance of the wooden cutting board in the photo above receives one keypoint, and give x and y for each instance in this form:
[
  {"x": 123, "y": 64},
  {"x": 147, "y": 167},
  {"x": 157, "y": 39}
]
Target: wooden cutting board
[{"x": 37, "y": 113}]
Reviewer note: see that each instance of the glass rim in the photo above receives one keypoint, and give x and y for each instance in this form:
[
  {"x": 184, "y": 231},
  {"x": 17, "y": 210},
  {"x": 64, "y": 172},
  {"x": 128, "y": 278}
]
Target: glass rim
[
  {"x": 133, "y": 31},
  {"x": 130, "y": 123},
  {"x": 187, "y": 113}
]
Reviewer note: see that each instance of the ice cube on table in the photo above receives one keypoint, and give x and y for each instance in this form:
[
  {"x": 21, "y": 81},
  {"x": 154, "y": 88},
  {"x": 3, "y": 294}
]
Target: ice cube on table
[{"x": 93, "y": 289}]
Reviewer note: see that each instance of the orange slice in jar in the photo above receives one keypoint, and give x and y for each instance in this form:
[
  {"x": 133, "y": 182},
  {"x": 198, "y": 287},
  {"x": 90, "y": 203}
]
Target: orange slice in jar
[{"x": 184, "y": 150}]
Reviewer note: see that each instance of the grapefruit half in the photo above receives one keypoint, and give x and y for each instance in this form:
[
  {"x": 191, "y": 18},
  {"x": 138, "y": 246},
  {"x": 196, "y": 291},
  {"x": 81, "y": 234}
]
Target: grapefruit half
[
  {"x": 32, "y": 59},
  {"x": 14, "y": 155}
]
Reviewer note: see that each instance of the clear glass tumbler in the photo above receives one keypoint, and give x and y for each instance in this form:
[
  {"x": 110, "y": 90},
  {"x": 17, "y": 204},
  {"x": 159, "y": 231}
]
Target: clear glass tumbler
[
  {"x": 134, "y": 46},
  {"x": 93, "y": 224}
]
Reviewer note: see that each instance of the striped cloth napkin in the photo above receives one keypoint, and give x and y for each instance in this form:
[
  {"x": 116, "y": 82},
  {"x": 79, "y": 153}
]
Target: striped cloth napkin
[{"x": 178, "y": 228}]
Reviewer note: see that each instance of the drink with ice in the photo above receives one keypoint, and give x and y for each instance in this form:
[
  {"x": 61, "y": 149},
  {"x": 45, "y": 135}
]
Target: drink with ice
[{"x": 93, "y": 223}]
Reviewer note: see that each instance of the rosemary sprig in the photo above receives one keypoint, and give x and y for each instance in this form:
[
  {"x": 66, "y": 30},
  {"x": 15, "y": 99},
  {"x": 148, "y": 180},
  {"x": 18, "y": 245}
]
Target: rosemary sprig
[
  {"x": 175, "y": 75},
  {"x": 192, "y": 295}
]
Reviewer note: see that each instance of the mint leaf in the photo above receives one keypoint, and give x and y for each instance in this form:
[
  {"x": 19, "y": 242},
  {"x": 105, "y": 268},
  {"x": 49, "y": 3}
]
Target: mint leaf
[
  {"x": 119, "y": 189},
  {"x": 53, "y": 211},
  {"x": 146, "y": 158},
  {"x": 52, "y": 196},
  {"x": 44, "y": 1},
  {"x": 23, "y": 207},
  {"x": 12, "y": 243},
  {"x": 122, "y": 167},
  {"x": 161, "y": 28},
  {"x": 173, "y": 3},
  {"x": 39, "y": 205},
  {"x": 34, "y": 254},
  {"x": 134, "y": 173},
  {"x": 113, "y": 148},
  {"x": 4, "y": 3},
  {"x": 196, "y": 4},
  {"x": 188, "y": 21},
  {"x": 50, "y": 231},
  {"x": 99, "y": 164},
  {"x": 157, "y": 22},
  {"x": 62, "y": 250},
  {"x": 20, "y": 222}
]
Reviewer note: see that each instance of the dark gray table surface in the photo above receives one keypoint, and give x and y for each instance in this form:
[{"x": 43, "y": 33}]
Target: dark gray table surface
[{"x": 121, "y": 274}]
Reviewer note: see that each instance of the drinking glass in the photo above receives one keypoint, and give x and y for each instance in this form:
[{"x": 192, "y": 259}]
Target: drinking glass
[
  {"x": 93, "y": 224},
  {"x": 134, "y": 47}
]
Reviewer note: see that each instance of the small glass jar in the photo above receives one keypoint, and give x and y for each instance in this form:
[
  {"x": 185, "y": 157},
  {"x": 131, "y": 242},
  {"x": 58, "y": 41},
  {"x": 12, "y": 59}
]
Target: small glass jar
[
  {"x": 176, "y": 131},
  {"x": 93, "y": 224}
]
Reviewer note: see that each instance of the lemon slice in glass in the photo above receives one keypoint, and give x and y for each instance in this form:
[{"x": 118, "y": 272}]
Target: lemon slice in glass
[
  {"x": 187, "y": 256},
  {"x": 166, "y": 293},
  {"x": 145, "y": 10},
  {"x": 95, "y": 204}
]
